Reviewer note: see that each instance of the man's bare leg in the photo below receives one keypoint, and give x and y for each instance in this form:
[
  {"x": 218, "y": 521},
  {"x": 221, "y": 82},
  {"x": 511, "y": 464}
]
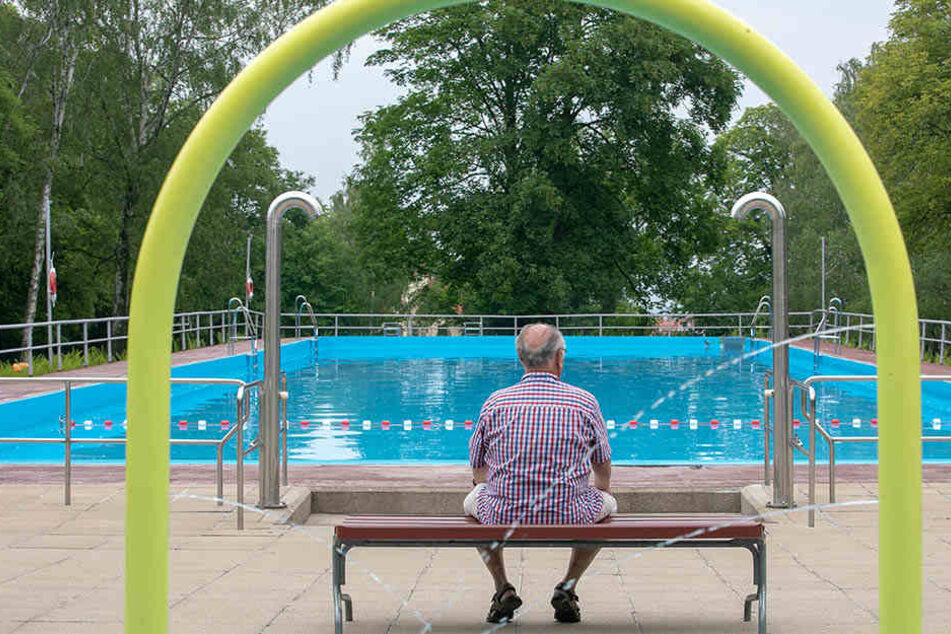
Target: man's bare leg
[
  {"x": 495, "y": 562},
  {"x": 581, "y": 558}
]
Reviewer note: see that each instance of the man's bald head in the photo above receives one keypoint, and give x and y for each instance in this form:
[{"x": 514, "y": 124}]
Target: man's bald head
[{"x": 538, "y": 345}]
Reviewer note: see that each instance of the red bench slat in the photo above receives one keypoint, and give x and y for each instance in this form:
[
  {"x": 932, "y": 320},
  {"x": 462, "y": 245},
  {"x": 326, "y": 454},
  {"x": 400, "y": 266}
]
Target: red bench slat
[{"x": 383, "y": 528}]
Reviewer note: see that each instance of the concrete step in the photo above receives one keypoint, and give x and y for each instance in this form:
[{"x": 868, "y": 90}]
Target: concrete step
[{"x": 448, "y": 500}]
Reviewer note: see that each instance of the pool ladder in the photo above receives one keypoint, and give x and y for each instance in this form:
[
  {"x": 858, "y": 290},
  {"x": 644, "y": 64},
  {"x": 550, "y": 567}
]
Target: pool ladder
[
  {"x": 235, "y": 305},
  {"x": 765, "y": 306},
  {"x": 834, "y": 309},
  {"x": 300, "y": 306}
]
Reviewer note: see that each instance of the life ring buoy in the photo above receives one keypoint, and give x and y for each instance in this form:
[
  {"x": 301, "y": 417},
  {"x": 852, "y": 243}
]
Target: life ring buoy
[
  {"x": 249, "y": 288},
  {"x": 52, "y": 284}
]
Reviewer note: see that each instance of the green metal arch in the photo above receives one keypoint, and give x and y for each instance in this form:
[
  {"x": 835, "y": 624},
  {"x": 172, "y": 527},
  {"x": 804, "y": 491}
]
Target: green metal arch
[{"x": 232, "y": 114}]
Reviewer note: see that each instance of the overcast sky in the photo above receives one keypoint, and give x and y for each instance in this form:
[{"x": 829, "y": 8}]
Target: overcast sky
[{"x": 312, "y": 122}]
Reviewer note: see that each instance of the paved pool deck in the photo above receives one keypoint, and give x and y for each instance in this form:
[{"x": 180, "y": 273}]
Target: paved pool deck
[{"x": 61, "y": 570}]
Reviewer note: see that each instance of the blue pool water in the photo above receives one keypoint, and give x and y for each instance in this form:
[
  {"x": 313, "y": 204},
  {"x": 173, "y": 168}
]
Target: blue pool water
[{"x": 439, "y": 379}]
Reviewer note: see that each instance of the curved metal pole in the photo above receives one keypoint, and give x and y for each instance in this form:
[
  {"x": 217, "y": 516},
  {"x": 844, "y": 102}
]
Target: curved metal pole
[
  {"x": 192, "y": 174},
  {"x": 269, "y": 425},
  {"x": 299, "y": 301},
  {"x": 783, "y": 494}
]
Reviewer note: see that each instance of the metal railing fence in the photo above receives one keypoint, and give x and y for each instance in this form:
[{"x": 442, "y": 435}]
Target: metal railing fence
[
  {"x": 934, "y": 335},
  {"x": 600, "y": 324},
  {"x": 242, "y": 411},
  {"x": 202, "y": 328},
  {"x": 189, "y": 330}
]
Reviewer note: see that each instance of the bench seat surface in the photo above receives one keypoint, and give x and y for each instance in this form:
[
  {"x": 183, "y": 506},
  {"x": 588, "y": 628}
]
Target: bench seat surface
[{"x": 452, "y": 528}]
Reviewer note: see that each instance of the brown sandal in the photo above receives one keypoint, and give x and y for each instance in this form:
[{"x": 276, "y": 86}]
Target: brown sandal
[
  {"x": 504, "y": 604},
  {"x": 565, "y": 602}
]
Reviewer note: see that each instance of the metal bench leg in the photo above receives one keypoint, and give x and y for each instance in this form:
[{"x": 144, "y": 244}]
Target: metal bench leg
[
  {"x": 761, "y": 589},
  {"x": 342, "y": 603},
  {"x": 758, "y": 550},
  {"x": 347, "y": 606}
]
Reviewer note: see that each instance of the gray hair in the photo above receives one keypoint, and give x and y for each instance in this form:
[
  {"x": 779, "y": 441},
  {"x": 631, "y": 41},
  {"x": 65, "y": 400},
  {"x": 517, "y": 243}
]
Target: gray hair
[{"x": 539, "y": 356}]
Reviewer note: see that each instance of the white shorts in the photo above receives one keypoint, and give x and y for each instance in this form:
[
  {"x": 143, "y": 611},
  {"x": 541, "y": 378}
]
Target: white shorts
[{"x": 608, "y": 503}]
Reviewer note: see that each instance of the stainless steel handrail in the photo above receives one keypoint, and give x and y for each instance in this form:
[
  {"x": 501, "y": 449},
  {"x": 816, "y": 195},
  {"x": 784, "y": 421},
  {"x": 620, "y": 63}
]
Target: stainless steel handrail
[
  {"x": 835, "y": 309},
  {"x": 284, "y": 398},
  {"x": 300, "y": 304},
  {"x": 808, "y": 403},
  {"x": 242, "y": 411},
  {"x": 767, "y": 397},
  {"x": 764, "y": 302},
  {"x": 235, "y": 305}
]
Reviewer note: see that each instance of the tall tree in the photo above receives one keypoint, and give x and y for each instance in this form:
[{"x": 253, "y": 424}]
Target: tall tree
[
  {"x": 161, "y": 60},
  {"x": 902, "y": 106},
  {"x": 547, "y": 156},
  {"x": 68, "y": 26}
]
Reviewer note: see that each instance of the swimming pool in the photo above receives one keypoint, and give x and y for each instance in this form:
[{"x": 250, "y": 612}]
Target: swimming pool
[{"x": 673, "y": 387}]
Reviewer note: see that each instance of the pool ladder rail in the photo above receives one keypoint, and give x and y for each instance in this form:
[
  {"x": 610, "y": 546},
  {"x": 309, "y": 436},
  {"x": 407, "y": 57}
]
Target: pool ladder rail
[
  {"x": 236, "y": 306},
  {"x": 834, "y": 309},
  {"x": 808, "y": 399},
  {"x": 301, "y": 305},
  {"x": 765, "y": 306}
]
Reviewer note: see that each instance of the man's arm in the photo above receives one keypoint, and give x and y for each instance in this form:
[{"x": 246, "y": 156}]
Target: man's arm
[
  {"x": 600, "y": 451},
  {"x": 477, "y": 449},
  {"x": 602, "y": 475},
  {"x": 479, "y": 474}
]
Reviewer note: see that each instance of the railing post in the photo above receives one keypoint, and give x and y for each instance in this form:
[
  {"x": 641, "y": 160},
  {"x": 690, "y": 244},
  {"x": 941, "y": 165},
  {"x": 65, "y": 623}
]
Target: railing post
[
  {"x": 336, "y": 324},
  {"x": 861, "y": 328},
  {"x": 766, "y": 421},
  {"x": 239, "y": 461},
  {"x": 49, "y": 343},
  {"x": 832, "y": 472},
  {"x": 85, "y": 344},
  {"x": 739, "y": 325},
  {"x": 600, "y": 325},
  {"x": 941, "y": 354},
  {"x": 109, "y": 340},
  {"x": 67, "y": 447},
  {"x": 59, "y": 346},
  {"x": 922, "y": 340},
  {"x": 284, "y": 397},
  {"x": 480, "y": 325},
  {"x": 810, "y": 414},
  {"x": 29, "y": 351},
  {"x": 182, "y": 331},
  {"x": 198, "y": 330}
]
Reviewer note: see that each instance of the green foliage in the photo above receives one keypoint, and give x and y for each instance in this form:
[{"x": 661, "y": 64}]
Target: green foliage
[
  {"x": 144, "y": 73},
  {"x": 902, "y": 105},
  {"x": 538, "y": 162}
]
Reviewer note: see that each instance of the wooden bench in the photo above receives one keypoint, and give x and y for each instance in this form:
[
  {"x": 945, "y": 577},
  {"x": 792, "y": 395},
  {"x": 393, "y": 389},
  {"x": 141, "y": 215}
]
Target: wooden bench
[{"x": 620, "y": 531}]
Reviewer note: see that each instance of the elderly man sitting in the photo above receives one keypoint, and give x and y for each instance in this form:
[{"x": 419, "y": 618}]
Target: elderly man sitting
[{"x": 532, "y": 452}]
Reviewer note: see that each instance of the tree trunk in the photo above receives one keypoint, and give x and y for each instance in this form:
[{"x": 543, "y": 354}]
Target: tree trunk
[
  {"x": 120, "y": 289},
  {"x": 39, "y": 251},
  {"x": 62, "y": 82}
]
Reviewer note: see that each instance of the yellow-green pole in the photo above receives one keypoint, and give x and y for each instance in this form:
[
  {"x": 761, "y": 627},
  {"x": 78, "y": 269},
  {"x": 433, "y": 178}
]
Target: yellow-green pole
[{"x": 213, "y": 139}]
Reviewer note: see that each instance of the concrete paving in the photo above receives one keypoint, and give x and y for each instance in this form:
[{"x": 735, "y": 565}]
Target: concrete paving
[{"x": 61, "y": 570}]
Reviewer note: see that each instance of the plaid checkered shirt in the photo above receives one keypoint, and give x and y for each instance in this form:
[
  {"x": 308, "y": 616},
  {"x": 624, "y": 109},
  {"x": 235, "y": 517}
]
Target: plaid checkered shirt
[{"x": 538, "y": 439}]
